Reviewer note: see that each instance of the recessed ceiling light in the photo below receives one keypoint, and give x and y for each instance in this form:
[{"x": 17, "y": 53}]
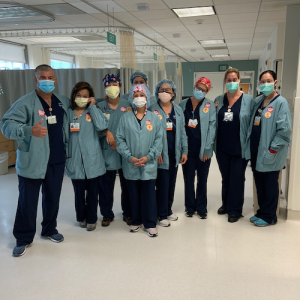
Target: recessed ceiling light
[
  {"x": 220, "y": 55},
  {"x": 194, "y": 11},
  {"x": 53, "y": 39},
  {"x": 210, "y": 42}
]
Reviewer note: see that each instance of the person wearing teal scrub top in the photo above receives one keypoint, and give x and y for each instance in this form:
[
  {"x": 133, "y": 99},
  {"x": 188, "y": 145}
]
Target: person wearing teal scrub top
[
  {"x": 139, "y": 141},
  {"x": 269, "y": 136},
  {"x": 85, "y": 163},
  {"x": 113, "y": 108}
]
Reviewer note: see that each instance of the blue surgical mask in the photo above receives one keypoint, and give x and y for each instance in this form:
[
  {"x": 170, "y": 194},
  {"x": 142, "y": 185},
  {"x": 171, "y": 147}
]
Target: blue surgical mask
[
  {"x": 267, "y": 88},
  {"x": 232, "y": 86},
  {"x": 198, "y": 94},
  {"x": 47, "y": 86}
]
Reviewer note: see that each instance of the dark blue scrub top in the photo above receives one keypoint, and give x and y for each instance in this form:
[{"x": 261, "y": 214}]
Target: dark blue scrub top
[
  {"x": 256, "y": 130},
  {"x": 171, "y": 134},
  {"x": 193, "y": 134},
  {"x": 55, "y": 131},
  {"x": 228, "y": 140}
]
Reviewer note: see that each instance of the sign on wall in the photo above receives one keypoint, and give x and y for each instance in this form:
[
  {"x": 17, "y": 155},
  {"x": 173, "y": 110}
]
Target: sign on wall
[
  {"x": 223, "y": 68},
  {"x": 155, "y": 56}
]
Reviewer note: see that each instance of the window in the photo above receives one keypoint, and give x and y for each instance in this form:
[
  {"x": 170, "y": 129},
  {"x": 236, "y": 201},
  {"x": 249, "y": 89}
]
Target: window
[
  {"x": 10, "y": 65},
  {"x": 58, "y": 64},
  {"x": 61, "y": 61}
]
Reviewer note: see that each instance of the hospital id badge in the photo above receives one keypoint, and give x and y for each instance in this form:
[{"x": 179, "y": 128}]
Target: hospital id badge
[
  {"x": 107, "y": 116},
  {"x": 228, "y": 116},
  {"x": 193, "y": 123},
  {"x": 74, "y": 127},
  {"x": 51, "y": 120},
  {"x": 257, "y": 121},
  {"x": 169, "y": 126}
]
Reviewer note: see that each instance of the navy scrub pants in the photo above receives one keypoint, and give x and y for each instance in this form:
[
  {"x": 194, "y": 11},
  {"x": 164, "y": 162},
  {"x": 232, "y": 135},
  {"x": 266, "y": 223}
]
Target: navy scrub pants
[
  {"x": 195, "y": 202},
  {"x": 86, "y": 199},
  {"x": 165, "y": 188},
  {"x": 106, "y": 194},
  {"x": 143, "y": 202},
  {"x": 232, "y": 170},
  {"x": 267, "y": 192},
  {"x": 29, "y": 189}
]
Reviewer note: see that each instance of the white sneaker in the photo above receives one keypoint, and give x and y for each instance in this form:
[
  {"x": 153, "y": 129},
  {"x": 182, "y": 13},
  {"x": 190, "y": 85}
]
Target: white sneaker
[
  {"x": 134, "y": 228},
  {"x": 164, "y": 223},
  {"x": 172, "y": 217},
  {"x": 152, "y": 232}
]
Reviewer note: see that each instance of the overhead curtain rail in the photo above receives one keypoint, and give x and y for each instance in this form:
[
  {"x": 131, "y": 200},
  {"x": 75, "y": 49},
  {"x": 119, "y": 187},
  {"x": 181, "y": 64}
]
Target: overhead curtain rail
[{"x": 109, "y": 15}]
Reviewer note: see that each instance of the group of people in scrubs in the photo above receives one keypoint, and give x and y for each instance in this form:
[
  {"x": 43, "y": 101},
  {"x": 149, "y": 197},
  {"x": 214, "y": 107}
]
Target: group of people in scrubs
[{"x": 143, "y": 138}]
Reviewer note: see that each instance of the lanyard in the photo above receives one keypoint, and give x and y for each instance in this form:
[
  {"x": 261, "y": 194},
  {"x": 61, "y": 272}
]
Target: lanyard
[
  {"x": 139, "y": 121},
  {"x": 260, "y": 110},
  {"x": 167, "y": 116}
]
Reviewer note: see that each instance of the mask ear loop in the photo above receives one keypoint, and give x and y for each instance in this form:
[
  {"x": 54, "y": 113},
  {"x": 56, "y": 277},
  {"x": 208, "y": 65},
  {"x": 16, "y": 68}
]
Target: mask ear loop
[{"x": 275, "y": 86}]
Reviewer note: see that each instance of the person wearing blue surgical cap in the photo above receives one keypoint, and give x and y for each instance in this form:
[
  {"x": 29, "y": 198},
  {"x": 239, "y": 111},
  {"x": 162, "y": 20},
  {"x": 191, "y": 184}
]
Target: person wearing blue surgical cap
[
  {"x": 139, "y": 141},
  {"x": 139, "y": 78},
  {"x": 175, "y": 149}
]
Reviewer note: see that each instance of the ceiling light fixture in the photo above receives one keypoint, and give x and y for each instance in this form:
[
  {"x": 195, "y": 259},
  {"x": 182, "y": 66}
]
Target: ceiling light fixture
[
  {"x": 211, "y": 42},
  {"x": 220, "y": 55},
  {"x": 176, "y": 35},
  {"x": 53, "y": 39},
  {"x": 194, "y": 11}
]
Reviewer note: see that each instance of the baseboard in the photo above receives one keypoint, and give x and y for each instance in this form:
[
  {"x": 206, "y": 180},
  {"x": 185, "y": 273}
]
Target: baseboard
[{"x": 293, "y": 215}]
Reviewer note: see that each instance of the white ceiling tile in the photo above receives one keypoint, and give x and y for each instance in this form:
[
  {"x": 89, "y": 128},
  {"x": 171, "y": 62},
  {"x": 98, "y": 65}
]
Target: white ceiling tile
[
  {"x": 237, "y": 8},
  {"x": 37, "y": 2},
  {"x": 131, "y": 5},
  {"x": 217, "y": 2},
  {"x": 276, "y": 5},
  {"x": 239, "y": 40},
  {"x": 170, "y": 34},
  {"x": 188, "y": 3},
  {"x": 238, "y": 44},
  {"x": 265, "y": 29},
  {"x": 100, "y": 16},
  {"x": 85, "y": 7},
  {"x": 262, "y": 35},
  {"x": 238, "y": 36},
  {"x": 111, "y": 5},
  {"x": 238, "y": 17},
  {"x": 79, "y": 19},
  {"x": 146, "y": 30},
  {"x": 164, "y": 23},
  {"x": 173, "y": 29},
  {"x": 156, "y": 15},
  {"x": 203, "y": 36},
  {"x": 274, "y": 15},
  {"x": 137, "y": 24},
  {"x": 237, "y": 30},
  {"x": 269, "y": 23},
  {"x": 203, "y": 27},
  {"x": 245, "y": 24},
  {"x": 125, "y": 16}
]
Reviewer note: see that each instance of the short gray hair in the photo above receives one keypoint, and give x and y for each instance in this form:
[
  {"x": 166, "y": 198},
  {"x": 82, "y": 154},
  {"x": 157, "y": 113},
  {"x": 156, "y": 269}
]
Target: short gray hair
[{"x": 42, "y": 68}]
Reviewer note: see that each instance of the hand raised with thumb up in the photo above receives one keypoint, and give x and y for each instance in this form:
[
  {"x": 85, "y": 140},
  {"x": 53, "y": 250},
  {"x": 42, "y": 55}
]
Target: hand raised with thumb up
[{"x": 38, "y": 130}]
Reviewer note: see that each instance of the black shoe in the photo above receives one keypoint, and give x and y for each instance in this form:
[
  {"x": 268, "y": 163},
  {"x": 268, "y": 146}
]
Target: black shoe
[
  {"x": 221, "y": 211},
  {"x": 189, "y": 214},
  {"x": 127, "y": 220},
  {"x": 233, "y": 218},
  {"x": 202, "y": 215}
]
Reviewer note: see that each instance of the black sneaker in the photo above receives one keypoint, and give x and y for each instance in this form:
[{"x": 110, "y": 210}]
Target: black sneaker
[
  {"x": 233, "y": 218},
  {"x": 189, "y": 214},
  {"x": 202, "y": 215},
  {"x": 127, "y": 220},
  {"x": 56, "y": 238},
  {"x": 19, "y": 250},
  {"x": 221, "y": 211}
]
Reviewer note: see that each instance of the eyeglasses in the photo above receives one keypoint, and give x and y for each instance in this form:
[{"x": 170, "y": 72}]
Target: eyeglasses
[
  {"x": 201, "y": 89},
  {"x": 165, "y": 90},
  {"x": 266, "y": 81}
]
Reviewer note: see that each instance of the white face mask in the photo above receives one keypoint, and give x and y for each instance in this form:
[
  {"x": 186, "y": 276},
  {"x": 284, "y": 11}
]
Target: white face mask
[
  {"x": 164, "y": 97},
  {"x": 112, "y": 92},
  {"x": 81, "y": 102},
  {"x": 139, "y": 101}
]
